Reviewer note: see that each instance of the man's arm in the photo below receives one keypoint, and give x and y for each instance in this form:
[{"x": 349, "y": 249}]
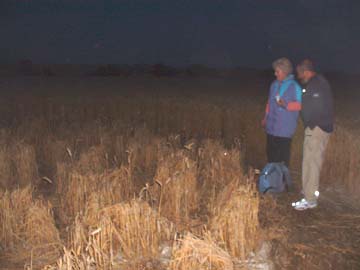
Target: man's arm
[{"x": 295, "y": 104}]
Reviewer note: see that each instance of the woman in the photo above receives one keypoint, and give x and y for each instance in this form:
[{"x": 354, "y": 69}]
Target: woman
[{"x": 282, "y": 111}]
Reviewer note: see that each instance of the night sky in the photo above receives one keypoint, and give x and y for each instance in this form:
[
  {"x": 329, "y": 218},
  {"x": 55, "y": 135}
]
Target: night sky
[{"x": 221, "y": 33}]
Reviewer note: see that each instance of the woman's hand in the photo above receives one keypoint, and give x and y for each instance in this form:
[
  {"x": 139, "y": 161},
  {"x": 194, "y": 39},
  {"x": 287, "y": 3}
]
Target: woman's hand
[
  {"x": 263, "y": 123},
  {"x": 281, "y": 103}
]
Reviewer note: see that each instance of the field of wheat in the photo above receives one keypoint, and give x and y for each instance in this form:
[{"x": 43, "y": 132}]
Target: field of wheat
[{"x": 142, "y": 174}]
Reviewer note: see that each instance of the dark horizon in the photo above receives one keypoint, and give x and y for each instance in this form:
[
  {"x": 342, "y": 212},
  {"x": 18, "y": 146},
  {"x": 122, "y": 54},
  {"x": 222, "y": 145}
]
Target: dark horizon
[{"x": 57, "y": 69}]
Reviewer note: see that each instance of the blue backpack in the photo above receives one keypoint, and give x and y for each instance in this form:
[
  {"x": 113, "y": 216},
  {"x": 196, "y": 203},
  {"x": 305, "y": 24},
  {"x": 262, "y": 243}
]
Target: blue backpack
[{"x": 275, "y": 177}]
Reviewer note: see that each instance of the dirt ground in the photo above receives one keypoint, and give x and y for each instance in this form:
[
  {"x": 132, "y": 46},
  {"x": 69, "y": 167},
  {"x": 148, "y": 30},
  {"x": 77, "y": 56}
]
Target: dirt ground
[{"x": 327, "y": 237}]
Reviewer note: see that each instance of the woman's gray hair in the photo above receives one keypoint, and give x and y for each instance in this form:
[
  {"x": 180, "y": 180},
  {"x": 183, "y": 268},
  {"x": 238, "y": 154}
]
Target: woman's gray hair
[{"x": 284, "y": 64}]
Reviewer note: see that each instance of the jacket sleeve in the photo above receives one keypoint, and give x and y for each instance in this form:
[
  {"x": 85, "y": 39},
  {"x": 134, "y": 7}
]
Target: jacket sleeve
[
  {"x": 267, "y": 108},
  {"x": 263, "y": 121},
  {"x": 295, "y": 104}
]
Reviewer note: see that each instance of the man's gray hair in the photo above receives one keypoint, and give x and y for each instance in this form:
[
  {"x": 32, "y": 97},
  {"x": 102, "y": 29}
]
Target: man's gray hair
[
  {"x": 284, "y": 64},
  {"x": 306, "y": 65}
]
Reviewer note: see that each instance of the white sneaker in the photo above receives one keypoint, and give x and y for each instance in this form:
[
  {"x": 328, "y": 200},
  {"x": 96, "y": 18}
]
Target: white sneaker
[{"x": 303, "y": 204}]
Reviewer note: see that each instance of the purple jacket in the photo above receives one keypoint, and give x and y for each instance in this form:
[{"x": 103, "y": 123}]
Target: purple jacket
[{"x": 281, "y": 121}]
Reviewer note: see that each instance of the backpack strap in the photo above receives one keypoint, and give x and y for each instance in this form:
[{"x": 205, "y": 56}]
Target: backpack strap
[
  {"x": 266, "y": 190},
  {"x": 286, "y": 175}
]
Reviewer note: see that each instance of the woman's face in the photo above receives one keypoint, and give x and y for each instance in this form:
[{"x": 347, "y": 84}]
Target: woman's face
[{"x": 280, "y": 74}]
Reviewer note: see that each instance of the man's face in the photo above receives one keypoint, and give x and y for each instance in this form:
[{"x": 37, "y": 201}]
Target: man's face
[
  {"x": 302, "y": 76},
  {"x": 280, "y": 74}
]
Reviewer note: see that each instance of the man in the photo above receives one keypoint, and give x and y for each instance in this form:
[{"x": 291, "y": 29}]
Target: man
[{"x": 317, "y": 115}]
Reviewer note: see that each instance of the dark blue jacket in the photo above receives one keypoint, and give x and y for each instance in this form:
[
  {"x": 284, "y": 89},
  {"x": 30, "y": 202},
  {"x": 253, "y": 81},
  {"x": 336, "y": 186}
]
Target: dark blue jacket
[
  {"x": 281, "y": 121},
  {"x": 317, "y": 108}
]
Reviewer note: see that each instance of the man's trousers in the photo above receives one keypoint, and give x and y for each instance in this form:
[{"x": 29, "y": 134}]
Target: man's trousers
[{"x": 315, "y": 143}]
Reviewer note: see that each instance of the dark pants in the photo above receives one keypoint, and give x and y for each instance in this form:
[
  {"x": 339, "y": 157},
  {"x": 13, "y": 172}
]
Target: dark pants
[{"x": 278, "y": 149}]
